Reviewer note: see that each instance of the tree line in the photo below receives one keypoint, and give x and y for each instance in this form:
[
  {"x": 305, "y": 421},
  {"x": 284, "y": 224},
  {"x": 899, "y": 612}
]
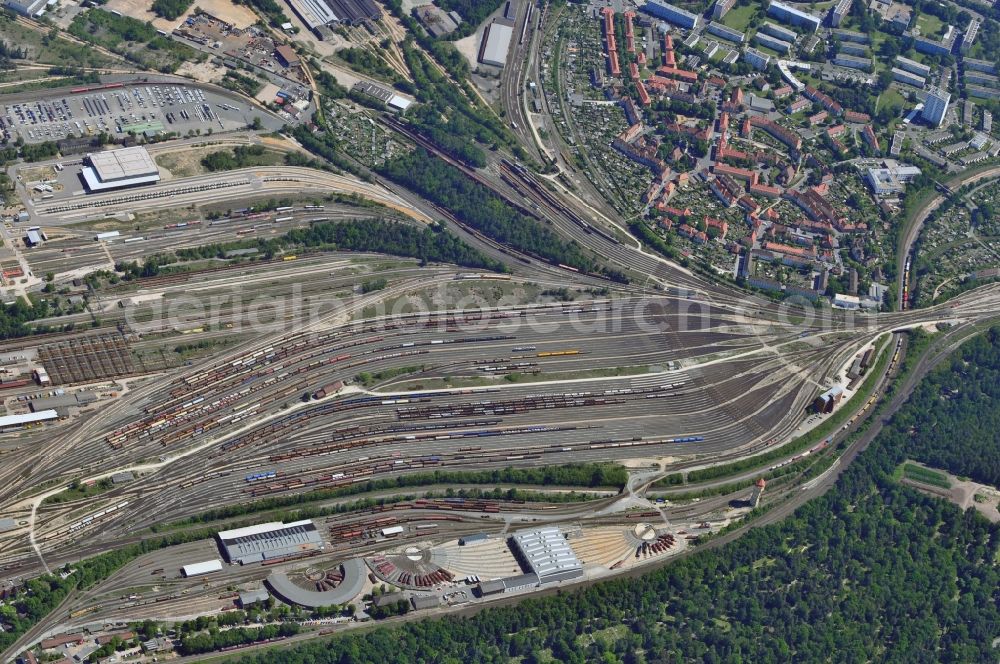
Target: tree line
[
  {"x": 428, "y": 244},
  {"x": 477, "y": 206}
]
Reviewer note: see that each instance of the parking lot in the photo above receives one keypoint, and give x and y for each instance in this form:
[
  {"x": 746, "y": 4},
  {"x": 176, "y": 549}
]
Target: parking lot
[{"x": 128, "y": 109}]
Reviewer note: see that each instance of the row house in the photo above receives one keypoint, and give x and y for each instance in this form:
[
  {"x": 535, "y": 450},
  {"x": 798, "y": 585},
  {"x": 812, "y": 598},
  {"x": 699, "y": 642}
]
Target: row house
[
  {"x": 825, "y": 100},
  {"x": 786, "y": 136}
]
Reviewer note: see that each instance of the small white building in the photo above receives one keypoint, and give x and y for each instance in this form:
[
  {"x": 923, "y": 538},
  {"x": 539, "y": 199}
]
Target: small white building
[
  {"x": 196, "y": 569},
  {"x": 846, "y": 301}
]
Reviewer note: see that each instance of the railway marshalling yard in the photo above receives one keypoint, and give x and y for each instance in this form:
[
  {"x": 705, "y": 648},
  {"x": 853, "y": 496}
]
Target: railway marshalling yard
[
  {"x": 268, "y": 377},
  {"x": 703, "y": 384}
]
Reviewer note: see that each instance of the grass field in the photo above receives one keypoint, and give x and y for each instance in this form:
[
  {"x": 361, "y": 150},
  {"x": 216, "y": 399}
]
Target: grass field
[
  {"x": 56, "y": 51},
  {"x": 925, "y": 476},
  {"x": 738, "y": 18},
  {"x": 930, "y": 25},
  {"x": 890, "y": 97}
]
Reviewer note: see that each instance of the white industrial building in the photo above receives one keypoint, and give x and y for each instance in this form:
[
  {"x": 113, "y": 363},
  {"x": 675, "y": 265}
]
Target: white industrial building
[
  {"x": 547, "y": 553},
  {"x": 496, "y": 43},
  {"x": 206, "y": 567},
  {"x": 113, "y": 169},
  {"x": 10, "y": 421},
  {"x": 841, "y": 301},
  {"x": 267, "y": 541},
  {"x": 27, "y": 7}
]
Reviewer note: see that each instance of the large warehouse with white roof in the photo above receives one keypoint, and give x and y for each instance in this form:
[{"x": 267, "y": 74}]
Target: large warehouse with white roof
[
  {"x": 547, "y": 553},
  {"x": 119, "y": 168},
  {"x": 496, "y": 43}
]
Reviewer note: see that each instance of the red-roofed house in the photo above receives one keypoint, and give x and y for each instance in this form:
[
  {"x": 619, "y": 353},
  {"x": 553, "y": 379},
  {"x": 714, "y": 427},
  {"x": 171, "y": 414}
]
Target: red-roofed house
[
  {"x": 679, "y": 74},
  {"x": 733, "y": 171},
  {"x": 869, "y": 135},
  {"x": 718, "y": 224},
  {"x": 819, "y": 117},
  {"x": 765, "y": 190}
]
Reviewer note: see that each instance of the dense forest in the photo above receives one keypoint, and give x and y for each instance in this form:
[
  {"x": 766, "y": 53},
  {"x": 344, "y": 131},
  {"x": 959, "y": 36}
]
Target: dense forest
[
  {"x": 480, "y": 208},
  {"x": 957, "y": 427},
  {"x": 871, "y": 571},
  {"x": 448, "y": 117},
  {"x": 170, "y": 9},
  {"x": 242, "y": 156}
]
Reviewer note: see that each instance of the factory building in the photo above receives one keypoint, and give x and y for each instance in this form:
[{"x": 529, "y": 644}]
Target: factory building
[
  {"x": 393, "y": 101},
  {"x": 907, "y": 77},
  {"x": 251, "y": 597},
  {"x": 268, "y": 541},
  {"x": 839, "y": 12},
  {"x": 114, "y": 169},
  {"x": 546, "y": 553},
  {"x": 286, "y": 55},
  {"x": 61, "y": 401},
  {"x": 17, "y": 421},
  {"x": 436, "y": 20},
  {"x": 936, "y": 106},
  {"x": 794, "y": 16},
  {"x": 913, "y": 66},
  {"x": 826, "y": 402},
  {"x": 508, "y": 584},
  {"x": 496, "y": 43},
  {"x": 317, "y": 14},
  {"x": 669, "y": 12},
  {"x": 354, "y": 12},
  {"x": 26, "y": 7},
  {"x": 197, "y": 569}
]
